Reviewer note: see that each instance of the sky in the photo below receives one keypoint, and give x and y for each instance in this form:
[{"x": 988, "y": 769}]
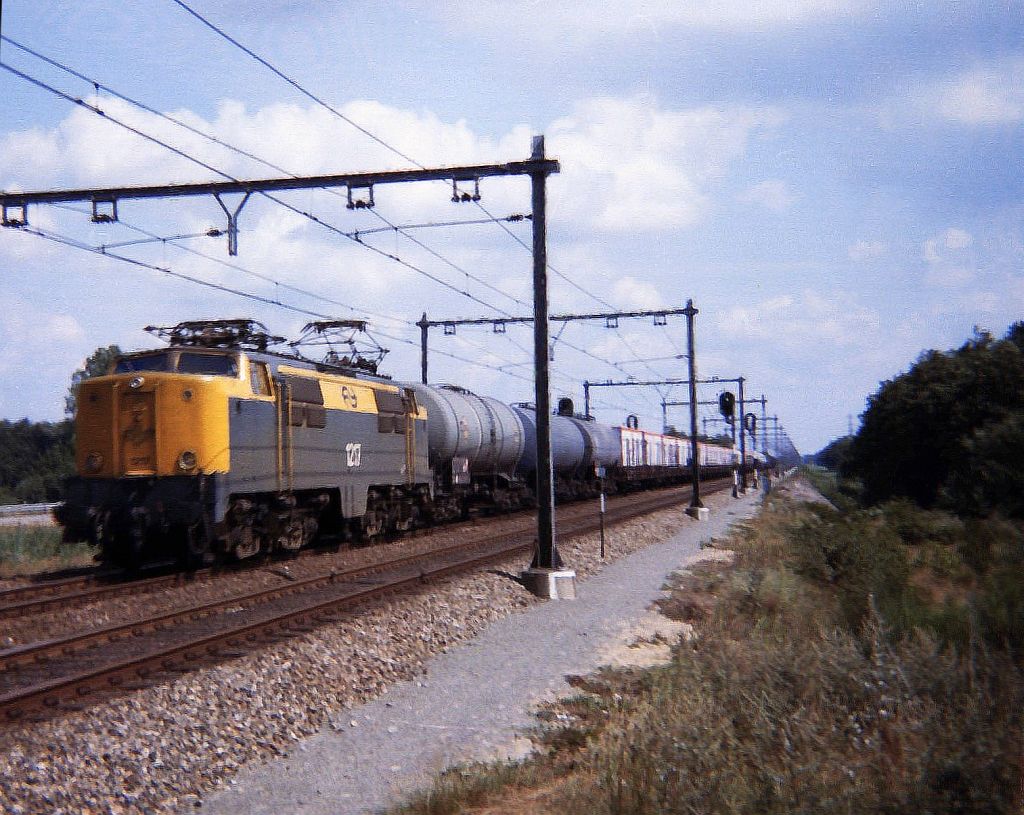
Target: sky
[{"x": 837, "y": 186}]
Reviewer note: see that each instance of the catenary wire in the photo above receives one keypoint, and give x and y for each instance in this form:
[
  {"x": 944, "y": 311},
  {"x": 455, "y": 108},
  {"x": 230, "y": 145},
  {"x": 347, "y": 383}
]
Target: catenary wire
[
  {"x": 100, "y": 112},
  {"x": 76, "y": 244},
  {"x": 388, "y": 146},
  {"x": 362, "y": 312},
  {"x": 247, "y": 154}
]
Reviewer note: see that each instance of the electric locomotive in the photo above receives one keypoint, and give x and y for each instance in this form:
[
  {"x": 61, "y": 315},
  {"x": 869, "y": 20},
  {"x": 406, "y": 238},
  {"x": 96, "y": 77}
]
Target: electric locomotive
[{"x": 216, "y": 447}]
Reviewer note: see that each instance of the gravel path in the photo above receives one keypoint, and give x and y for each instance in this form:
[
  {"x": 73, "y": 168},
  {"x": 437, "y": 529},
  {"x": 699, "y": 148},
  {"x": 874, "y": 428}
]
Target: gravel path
[{"x": 474, "y": 698}]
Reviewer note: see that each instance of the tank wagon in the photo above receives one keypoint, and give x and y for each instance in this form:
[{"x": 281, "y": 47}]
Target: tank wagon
[{"x": 211, "y": 449}]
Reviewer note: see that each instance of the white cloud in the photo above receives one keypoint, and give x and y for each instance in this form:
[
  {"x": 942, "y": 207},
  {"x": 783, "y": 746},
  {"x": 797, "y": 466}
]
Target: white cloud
[
  {"x": 632, "y": 294},
  {"x": 953, "y": 239},
  {"x": 866, "y": 250},
  {"x": 628, "y": 165},
  {"x": 808, "y": 319},
  {"x": 988, "y": 95},
  {"x": 958, "y": 239},
  {"x": 24, "y": 327},
  {"x": 943, "y": 254},
  {"x": 772, "y": 194}
]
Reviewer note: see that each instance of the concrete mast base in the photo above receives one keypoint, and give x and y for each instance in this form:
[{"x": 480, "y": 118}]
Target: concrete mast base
[{"x": 552, "y": 584}]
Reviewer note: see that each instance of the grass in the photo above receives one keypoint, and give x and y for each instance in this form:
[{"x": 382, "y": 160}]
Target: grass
[
  {"x": 848, "y": 661},
  {"x": 25, "y": 549}
]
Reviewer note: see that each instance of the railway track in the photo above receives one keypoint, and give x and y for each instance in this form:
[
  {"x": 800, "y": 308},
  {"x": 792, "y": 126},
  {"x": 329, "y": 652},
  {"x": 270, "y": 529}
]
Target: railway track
[
  {"x": 97, "y": 585},
  {"x": 39, "y": 678}
]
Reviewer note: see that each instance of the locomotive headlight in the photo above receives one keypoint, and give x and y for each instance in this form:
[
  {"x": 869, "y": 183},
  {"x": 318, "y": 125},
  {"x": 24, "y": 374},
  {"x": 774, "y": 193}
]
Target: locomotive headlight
[
  {"x": 136, "y": 382},
  {"x": 93, "y": 462},
  {"x": 187, "y": 461}
]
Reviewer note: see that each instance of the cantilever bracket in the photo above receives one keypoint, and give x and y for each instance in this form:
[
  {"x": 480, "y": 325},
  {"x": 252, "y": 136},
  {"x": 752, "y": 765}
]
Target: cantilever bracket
[
  {"x": 464, "y": 197},
  {"x": 554, "y": 341},
  {"x": 360, "y": 203},
  {"x": 15, "y": 215},
  {"x": 104, "y": 210},
  {"x": 232, "y": 229}
]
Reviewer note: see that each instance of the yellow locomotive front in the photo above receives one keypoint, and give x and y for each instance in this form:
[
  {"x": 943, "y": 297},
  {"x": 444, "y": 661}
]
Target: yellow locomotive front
[
  {"x": 152, "y": 439},
  {"x": 160, "y": 414}
]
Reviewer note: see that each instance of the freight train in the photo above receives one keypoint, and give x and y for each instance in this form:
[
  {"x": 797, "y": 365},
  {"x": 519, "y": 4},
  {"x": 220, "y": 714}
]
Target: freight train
[{"x": 215, "y": 447}]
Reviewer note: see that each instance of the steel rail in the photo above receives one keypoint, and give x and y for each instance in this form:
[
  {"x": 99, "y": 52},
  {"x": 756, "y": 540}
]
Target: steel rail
[
  {"x": 50, "y": 693},
  {"x": 43, "y": 591},
  {"x": 28, "y": 653},
  {"x": 49, "y": 595},
  {"x": 45, "y": 596}
]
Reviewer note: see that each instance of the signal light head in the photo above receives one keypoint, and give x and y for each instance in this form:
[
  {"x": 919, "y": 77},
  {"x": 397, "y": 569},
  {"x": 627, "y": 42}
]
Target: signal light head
[{"x": 727, "y": 404}]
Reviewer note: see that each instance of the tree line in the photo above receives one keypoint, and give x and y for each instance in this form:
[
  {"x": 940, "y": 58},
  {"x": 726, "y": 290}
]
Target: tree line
[
  {"x": 948, "y": 433},
  {"x": 36, "y": 457}
]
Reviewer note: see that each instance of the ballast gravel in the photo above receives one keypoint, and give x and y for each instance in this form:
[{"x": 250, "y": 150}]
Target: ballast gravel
[
  {"x": 123, "y": 608},
  {"x": 167, "y": 748}
]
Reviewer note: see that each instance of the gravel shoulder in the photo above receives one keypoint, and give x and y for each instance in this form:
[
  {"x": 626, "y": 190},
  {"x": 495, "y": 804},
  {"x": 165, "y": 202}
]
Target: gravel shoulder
[{"x": 472, "y": 702}]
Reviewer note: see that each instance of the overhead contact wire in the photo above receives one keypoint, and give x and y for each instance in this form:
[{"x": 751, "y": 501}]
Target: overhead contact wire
[
  {"x": 76, "y": 244},
  {"x": 99, "y": 112},
  {"x": 215, "y": 140},
  {"x": 387, "y": 146},
  {"x": 353, "y": 235}
]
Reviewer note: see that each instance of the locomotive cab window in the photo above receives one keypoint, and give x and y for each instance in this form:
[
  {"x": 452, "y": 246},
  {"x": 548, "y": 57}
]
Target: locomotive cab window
[
  {"x": 184, "y": 362},
  {"x": 190, "y": 362},
  {"x": 148, "y": 362}
]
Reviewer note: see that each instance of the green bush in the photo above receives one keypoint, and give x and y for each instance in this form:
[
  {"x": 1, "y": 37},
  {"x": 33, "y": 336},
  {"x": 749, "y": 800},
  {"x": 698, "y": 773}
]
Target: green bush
[
  {"x": 785, "y": 723},
  {"x": 999, "y": 600},
  {"x": 35, "y": 458},
  {"x": 860, "y": 557}
]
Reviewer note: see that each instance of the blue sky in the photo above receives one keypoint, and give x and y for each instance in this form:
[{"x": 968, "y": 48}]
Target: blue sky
[{"x": 836, "y": 185}]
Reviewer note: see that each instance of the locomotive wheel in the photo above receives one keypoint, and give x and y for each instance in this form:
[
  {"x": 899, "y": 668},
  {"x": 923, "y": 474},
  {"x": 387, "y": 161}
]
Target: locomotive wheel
[
  {"x": 243, "y": 542},
  {"x": 296, "y": 532},
  {"x": 374, "y": 522}
]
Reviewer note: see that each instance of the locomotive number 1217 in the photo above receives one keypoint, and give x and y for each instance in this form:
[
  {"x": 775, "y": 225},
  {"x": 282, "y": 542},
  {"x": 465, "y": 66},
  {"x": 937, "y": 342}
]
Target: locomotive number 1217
[{"x": 353, "y": 453}]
